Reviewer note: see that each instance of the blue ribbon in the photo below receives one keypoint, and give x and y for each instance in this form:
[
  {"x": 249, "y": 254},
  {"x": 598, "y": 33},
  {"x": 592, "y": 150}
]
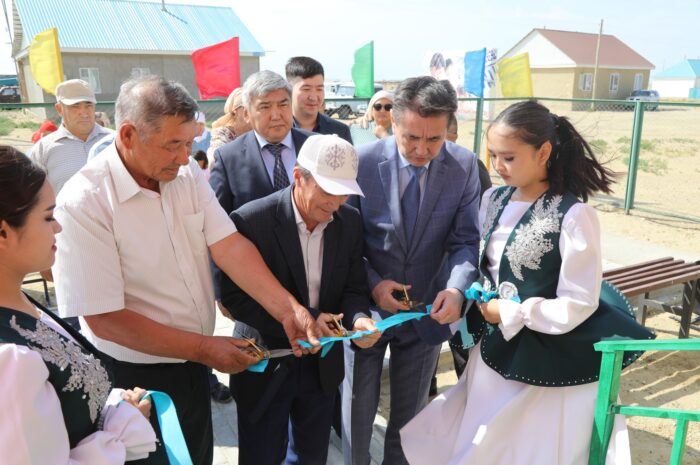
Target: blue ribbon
[
  {"x": 258, "y": 367},
  {"x": 477, "y": 293},
  {"x": 173, "y": 440},
  {"x": 394, "y": 320}
]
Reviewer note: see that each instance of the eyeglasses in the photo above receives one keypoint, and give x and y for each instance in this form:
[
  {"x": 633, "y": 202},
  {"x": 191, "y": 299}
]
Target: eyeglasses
[{"x": 387, "y": 106}]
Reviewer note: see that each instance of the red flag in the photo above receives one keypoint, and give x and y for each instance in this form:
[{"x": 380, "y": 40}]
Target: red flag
[{"x": 217, "y": 69}]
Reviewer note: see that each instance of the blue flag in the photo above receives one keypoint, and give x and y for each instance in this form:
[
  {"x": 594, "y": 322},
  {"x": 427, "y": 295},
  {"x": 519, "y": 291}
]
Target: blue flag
[{"x": 474, "y": 64}]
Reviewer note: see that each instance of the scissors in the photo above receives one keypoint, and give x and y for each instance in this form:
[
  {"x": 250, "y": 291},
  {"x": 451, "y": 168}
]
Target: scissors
[
  {"x": 259, "y": 352},
  {"x": 337, "y": 327},
  {"x": 413, "y": 305}
]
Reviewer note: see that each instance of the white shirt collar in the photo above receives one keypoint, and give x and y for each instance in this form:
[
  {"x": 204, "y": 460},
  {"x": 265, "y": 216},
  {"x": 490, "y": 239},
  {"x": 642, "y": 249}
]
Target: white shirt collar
[
  {"x": 124, "y": 184},
  {"x": 287, "y": 141}
]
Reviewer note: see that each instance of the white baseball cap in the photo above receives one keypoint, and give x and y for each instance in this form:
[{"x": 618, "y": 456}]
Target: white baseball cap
[
  {"x": 332, "y": 162},
  {"x": 74, "y": 91}
]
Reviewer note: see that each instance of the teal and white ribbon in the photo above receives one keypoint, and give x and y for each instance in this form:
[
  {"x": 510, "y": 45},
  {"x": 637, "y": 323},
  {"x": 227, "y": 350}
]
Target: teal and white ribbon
[{"x": 173, "y": 440}]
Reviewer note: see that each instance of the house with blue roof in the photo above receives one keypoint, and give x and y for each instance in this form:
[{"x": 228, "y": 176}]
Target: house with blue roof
[
  {"x": 679, "y": 81},
  {"x": 105, "y": 42}
]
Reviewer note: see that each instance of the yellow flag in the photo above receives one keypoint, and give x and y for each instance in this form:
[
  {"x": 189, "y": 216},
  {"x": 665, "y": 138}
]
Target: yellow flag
[
  {"x": 45, "y": 60},
  {"x": 514, "y": 75}
]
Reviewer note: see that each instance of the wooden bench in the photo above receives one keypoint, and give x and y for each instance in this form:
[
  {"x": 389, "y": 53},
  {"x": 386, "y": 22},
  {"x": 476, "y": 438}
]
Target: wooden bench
[{"x": 637, "y": 282}]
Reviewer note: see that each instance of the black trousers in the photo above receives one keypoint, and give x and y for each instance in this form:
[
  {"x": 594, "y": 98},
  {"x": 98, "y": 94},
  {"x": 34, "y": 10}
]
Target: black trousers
[{"x": 188, "y": 386}]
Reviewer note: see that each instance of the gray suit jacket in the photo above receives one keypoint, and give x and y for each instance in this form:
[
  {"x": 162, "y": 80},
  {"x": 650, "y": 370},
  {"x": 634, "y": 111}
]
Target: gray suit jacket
[{"x": 445, "y": 246}]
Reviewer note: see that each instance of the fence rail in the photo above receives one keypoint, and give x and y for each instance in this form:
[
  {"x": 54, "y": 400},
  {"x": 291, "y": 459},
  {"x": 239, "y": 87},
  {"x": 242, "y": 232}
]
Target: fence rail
[{"x": 654, "y": 145}]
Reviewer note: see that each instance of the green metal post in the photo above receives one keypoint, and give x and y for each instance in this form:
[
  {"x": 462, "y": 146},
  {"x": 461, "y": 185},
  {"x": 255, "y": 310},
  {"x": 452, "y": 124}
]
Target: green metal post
[
  {"x": 477, "y": 125},
  {"x": 634, "y": 155}
]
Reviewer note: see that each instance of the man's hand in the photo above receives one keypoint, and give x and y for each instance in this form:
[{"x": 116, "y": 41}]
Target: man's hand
[
  {"x": 327, "y": 325},
  {"x": 491, "y": 311},
  {"x": 366, "y": 324},
  {"x": 224, "y": 354},
  {"x": 299, "y": 324},
  {"x": 134, "y": 396},
  {"x": 447, "y": 306},
  {"x": 383, "y": 298}
]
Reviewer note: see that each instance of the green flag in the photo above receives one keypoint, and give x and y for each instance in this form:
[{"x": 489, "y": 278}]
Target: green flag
[{"x": 363, "y": 71}]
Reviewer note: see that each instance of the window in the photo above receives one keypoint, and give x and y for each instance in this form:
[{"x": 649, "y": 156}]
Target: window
[
  {"x": 614, "y": 82},
  {"x": 638, "y": 81},
  {"x": 585, "y": 82},
  {"x": 92, "y": 76},
  {"x": 140, "y": 72}
]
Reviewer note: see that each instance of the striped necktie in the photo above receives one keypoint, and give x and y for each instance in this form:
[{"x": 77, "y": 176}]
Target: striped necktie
[{"x": 279, "y": 173}]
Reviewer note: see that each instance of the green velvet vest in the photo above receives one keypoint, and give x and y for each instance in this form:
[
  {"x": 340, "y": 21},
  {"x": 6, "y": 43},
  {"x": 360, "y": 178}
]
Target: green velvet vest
[
  {"x": 77, "y": 372},
  {"x": 531, "y": 263}
]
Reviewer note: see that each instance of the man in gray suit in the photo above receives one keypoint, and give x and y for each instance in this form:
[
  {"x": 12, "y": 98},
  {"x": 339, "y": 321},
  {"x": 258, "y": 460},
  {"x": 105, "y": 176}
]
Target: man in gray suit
[{"x": 419, "y": 216}]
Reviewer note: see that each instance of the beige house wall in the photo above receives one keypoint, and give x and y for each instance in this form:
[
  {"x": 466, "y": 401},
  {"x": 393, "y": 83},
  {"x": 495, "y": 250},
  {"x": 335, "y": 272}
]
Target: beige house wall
[
  {"x": 566, "y": 83},
  {"x": 625, "y": 83}
]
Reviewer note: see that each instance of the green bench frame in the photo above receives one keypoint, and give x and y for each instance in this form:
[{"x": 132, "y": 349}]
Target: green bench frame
[{"x": 609, "y": 384}]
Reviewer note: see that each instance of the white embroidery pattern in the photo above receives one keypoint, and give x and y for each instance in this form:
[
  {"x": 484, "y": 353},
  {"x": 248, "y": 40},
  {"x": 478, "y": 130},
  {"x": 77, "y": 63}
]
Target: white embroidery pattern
[
  {"x": 530, "y": 245},
  {"x": 87, "y": 372},
  {"x": 491, "y": 214}
]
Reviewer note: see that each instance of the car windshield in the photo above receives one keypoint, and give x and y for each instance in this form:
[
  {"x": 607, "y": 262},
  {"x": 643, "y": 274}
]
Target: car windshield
[
  {"x": 643, "y": 93},
  {"x": 346, "y": 91}
]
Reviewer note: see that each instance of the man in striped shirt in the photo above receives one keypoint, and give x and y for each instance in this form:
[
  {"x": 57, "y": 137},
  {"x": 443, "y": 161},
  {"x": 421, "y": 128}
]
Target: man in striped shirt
[{"x": 63, "y": 152}]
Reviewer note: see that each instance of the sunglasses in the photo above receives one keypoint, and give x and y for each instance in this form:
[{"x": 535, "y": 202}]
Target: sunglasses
[{"x": 387, "y": 106}]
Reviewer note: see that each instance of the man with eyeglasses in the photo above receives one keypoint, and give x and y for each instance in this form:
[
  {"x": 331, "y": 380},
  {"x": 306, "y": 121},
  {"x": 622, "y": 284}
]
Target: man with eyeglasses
[
  {"x": 421, "y": 236},
  {"x": 306, "y": 76}
]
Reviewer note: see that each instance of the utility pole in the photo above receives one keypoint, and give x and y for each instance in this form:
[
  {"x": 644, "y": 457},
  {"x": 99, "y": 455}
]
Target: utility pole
[{"x": 597, "y": 52}]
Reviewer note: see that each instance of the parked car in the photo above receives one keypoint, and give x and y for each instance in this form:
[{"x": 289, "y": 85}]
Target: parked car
[
  {"x": 345, "y": 90},
  {"x": 10, "y": 94},
  {"x": 645, "y": 96}
]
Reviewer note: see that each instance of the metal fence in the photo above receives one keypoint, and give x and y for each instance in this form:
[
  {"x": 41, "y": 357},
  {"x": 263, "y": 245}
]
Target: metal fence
[{"x": 654, "y": 146}]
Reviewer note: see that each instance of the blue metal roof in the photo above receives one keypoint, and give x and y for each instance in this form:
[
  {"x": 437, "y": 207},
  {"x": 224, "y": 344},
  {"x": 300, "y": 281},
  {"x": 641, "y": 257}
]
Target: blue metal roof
[
  {"x": 684, "y": 69},
  {"x": 135, "y": 26}
]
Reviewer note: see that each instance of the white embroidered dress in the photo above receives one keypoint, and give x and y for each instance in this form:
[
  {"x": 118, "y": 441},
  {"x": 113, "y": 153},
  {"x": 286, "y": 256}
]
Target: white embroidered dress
[
  {"x": 487, "y": 419},
  {"x": 32, "y": 428}
]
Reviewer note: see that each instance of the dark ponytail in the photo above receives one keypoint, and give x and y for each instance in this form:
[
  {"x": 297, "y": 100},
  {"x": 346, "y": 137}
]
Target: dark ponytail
[
  {"x": 21, "y": 181},
  {"x": 572, "y": 164}
]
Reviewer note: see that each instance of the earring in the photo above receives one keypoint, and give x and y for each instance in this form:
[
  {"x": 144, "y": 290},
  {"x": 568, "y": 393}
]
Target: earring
[{"x": 549, "y": 164}]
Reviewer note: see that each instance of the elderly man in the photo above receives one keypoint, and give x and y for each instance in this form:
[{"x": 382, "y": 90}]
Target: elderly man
[
  {"x": 138, "y": 226},
  {"x": 313, "y": 245},
  {"x": 63, "y": 152},
  {"x": 306, "y": 78},
  {"x": 420, "y": 228}
]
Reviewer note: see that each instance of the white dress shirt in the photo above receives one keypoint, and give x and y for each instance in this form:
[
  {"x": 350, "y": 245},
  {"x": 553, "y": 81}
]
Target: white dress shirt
[
  {"x": 124, "y": 246},
  {"x": 289, "y": 155},
  {"x": 312, "y": 250}
]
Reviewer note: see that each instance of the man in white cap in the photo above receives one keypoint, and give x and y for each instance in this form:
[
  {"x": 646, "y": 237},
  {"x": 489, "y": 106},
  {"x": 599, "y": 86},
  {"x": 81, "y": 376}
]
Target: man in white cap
[
  {"x": 63, "y": 152},
  {"x": 312, "y": 243}
]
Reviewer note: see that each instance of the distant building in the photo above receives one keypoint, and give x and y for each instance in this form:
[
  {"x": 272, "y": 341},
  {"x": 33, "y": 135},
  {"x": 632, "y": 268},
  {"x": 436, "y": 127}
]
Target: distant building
[
  {"x": 562, "y": 64},
  {"x": 679, "y": 81},
  {"x": 106, "y": 42}
]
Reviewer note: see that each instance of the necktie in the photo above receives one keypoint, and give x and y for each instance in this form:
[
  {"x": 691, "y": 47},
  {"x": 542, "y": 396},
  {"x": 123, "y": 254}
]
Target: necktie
[
  {"x": 410, "y": 202},
  {"x": 279, "y": 173}
]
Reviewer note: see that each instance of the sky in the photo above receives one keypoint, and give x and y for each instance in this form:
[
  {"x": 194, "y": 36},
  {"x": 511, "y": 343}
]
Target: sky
[{"x": 404, "y": 32}]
